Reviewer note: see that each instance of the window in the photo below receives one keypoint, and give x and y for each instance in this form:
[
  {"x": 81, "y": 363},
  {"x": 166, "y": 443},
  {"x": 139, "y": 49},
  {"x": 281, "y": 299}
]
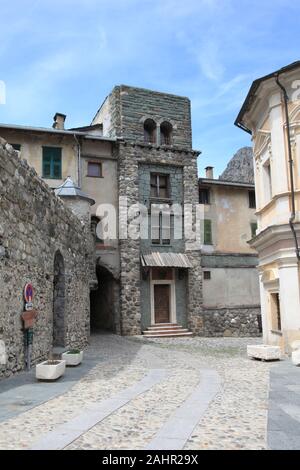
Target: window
[
  {"x": 207, "y": 275},
  {"x": 52, "y": 162},
  {"x": 149, "y": 131},
  {"x": 204, "y": 196},
  {"x": 267, "y": 180},
  {"x": 253, "y": 229},
  {"x": 275, "y": 311},
  {"x": 252, "y": 203},
  {"x": 160, "y": 229},
  {"x": 94, "y": 169},
  {"x": 16, "y": 147},
  {"x": 159, "y": 185},
  {"x": 165, "y": 133},
  {"x": 207, "y": 232}
]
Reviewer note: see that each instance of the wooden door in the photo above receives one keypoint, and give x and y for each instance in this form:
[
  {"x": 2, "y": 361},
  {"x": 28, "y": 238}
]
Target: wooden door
[{"x": 162, "y": 303}]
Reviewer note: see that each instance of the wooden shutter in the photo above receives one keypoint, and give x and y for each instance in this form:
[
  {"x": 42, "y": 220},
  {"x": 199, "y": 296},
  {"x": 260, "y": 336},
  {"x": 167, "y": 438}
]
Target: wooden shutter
[{"x": 207, "y": 232}]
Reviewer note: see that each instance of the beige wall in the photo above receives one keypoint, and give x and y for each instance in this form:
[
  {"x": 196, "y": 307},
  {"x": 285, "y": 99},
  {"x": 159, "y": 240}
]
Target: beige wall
[
  {"x": 278, "y": 263},
  {"x": 231, "y": 287},
  {"x": 231, "y": 218},
  {"x": 32, "y": 151}
]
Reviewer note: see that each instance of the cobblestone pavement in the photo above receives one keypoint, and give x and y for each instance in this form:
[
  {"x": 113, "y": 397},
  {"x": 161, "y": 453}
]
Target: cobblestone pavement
[{"x": 236, "y": 418}]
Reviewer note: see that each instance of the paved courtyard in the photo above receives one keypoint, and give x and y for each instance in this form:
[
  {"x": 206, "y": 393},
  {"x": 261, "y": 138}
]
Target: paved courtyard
[{"x": 133, "y": 393}]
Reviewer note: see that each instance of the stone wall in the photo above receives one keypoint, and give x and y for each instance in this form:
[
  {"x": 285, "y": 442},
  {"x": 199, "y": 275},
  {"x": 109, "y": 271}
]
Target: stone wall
[
  {"x": 124, "y": 111},
  {"x": 131, "y": 157},
  {"x": 239, "y": 321},
  {"x": 34, "y": 226}
]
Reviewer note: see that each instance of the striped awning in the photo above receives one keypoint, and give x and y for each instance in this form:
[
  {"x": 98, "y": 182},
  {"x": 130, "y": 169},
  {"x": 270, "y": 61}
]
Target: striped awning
[{"x": 166, "y": 260}]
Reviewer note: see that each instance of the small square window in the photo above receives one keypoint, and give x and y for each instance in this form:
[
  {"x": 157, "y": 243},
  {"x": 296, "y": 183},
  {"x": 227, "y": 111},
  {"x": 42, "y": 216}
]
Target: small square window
[
  {"x": 207, "y": 275},
  {"x": 204, "y": 196},
  {"x": 94, "y": 169}
]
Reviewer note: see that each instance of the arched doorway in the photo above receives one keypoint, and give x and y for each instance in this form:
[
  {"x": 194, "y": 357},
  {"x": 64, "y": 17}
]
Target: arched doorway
[
  {"x": 103, "y": 305},
  {"x": 59, "y": 301}
]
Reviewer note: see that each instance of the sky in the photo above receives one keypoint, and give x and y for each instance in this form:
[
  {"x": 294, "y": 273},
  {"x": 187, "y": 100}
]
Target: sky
[{"x": 67, "y": 55}]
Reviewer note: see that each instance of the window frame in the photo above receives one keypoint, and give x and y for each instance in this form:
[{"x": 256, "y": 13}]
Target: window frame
[
  {"x": 52, "y": 163},
  {"x": 209, "y": 240},
  {"x": 207, "y": 199},
  {"x": 160, "y": 240},
  {"x": 252, "y": 199},
  {"x": 158, "y": 186},
  {"x": 93, "y": 162}
]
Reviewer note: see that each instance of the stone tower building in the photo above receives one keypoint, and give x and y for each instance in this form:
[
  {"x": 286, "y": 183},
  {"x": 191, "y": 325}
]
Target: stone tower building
[{"x": 160, "y": 276}]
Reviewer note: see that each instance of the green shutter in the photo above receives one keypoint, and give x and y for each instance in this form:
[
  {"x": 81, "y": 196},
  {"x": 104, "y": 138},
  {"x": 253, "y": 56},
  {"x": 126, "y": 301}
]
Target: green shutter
[
  {"x": 253, "y": 229},
  {"x": 207, "y": 232},
  {"x": 52, "y": 162}
]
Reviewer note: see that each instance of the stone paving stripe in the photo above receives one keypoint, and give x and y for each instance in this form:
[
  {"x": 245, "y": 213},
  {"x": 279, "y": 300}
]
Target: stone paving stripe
[
  {"x": 174, "y": 434},
  {"x": 65, "y": 434}
]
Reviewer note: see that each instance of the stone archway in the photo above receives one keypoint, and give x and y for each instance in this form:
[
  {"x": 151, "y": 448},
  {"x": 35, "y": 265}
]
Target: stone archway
[
  {"x": 104, "y": 305},
  {"x": 59, "y": 301}
]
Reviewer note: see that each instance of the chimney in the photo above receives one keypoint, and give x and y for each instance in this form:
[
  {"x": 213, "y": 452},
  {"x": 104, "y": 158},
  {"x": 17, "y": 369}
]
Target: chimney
[
  {"x": 209, "y": 172},
  {"x": 59, "y": 121}
]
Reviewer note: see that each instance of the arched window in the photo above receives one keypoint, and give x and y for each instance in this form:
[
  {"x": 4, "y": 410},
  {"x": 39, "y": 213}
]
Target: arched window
[
  {"x": 96, "y": 229},
  {"x": 149, "y": 131},
  {"x": 166, "y": 133}
]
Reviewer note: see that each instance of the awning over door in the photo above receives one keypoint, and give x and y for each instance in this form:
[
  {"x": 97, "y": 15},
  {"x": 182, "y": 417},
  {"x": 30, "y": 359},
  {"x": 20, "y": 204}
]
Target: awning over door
[{"x": 165, "y": 260}]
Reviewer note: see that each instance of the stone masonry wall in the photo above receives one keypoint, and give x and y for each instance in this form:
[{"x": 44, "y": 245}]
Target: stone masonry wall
[
  {"x": 34, "y": 226},
  {"x": 240, "y": 321},
  {"x": 127, "y": 108},
  {"x": 130, "y": 157}
]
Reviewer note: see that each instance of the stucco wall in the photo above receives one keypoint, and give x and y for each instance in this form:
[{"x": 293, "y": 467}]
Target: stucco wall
[
  {"x": 32, "y": 152},
  {"x": 231, "y": 218},
  {"x": 34, "y": 225}
]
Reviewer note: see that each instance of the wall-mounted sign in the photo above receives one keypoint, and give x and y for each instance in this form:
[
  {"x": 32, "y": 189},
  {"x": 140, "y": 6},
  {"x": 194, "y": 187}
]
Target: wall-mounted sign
[
  {"x": 28, "y": 306},
  {"x": 28, "y": 292}
]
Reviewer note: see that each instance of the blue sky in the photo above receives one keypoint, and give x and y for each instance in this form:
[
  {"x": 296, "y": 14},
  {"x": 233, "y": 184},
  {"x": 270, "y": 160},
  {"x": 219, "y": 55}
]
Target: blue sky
[{"x": 67, "y": 55}]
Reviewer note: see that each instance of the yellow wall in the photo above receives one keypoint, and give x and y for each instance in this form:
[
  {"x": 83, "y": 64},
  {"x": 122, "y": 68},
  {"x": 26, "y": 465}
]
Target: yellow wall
[{"x": 231, "y": 218}]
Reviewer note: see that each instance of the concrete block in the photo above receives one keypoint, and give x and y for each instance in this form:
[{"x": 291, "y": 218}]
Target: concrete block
[
  {"x": 72, "y": 359},
  {"x": 46, "y": 371},
  {"x": 264, "y": 352},
  {"x": 296, "y": 357}
]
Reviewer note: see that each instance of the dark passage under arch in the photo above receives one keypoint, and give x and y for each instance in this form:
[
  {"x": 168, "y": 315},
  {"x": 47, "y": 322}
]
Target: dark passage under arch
[
  {"x": 103, "y": 308},
  {"x": 59, "y": 301}
]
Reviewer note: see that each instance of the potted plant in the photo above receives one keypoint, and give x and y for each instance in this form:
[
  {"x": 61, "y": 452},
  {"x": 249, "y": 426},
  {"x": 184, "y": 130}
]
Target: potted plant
[
  {"x": 50, "y": 370},
  {"x": 73, "y": 357}
]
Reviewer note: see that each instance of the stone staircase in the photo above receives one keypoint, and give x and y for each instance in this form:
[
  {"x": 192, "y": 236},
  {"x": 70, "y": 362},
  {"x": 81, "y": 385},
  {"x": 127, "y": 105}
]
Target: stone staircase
[{"x": 166, "y": 330}]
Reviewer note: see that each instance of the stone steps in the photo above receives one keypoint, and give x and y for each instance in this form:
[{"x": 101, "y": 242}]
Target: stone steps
[{"x": 166, "y": 330}]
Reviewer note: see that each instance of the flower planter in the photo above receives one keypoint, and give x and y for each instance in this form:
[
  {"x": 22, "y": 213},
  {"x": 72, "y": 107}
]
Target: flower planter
[
  {"x": 72, "y": 358},
  {"x": 50, "y": 370},
  {"x": 264, "y": 352}
]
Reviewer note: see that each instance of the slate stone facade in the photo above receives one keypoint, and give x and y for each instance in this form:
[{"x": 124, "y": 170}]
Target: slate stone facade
[
  {"x": 35, "y": 227},
  {"x": 123, "y": 115}
]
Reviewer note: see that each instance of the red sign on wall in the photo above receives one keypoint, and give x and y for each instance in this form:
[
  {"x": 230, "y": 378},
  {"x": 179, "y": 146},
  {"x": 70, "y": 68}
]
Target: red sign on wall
[{"x": 28, "y": 292}]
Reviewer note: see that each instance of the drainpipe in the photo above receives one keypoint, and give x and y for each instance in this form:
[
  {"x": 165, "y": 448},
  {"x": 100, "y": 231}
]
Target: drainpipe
[
  {"x": 78, "y": 160},
  {"x": 291, "y": 165}
]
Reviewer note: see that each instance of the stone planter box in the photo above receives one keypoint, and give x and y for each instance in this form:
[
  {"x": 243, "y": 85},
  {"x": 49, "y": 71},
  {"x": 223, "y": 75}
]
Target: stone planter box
[
  {"x": 296, "y": 357},
  {"x": 46, "y": 371},
  {"x": 72, "y": 359},
  {"x": 264, "y": 352}
]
